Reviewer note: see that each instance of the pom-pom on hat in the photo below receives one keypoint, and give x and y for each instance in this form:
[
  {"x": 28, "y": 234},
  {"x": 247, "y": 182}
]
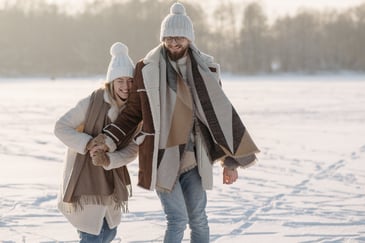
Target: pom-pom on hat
[
  {"x": 121, "y": 65},
  {"x": 177, "y": 23}
]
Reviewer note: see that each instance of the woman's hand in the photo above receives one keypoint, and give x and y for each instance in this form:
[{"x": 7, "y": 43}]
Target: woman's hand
[{"x": 98, "y": 148}]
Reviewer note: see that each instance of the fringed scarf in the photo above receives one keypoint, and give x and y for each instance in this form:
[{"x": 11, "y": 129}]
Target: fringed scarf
[{"x": 92, "y": 185}]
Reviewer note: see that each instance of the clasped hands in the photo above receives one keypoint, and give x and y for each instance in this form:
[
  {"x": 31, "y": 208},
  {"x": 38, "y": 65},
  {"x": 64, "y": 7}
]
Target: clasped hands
[{"x": 97, "y": 150}]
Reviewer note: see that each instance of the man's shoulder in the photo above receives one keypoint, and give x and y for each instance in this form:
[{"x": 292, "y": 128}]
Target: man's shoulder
[
  {"x": 204, "y": 56},
  {"x": 153, "y": 56},
  {"x": 207, "y": 58},
  {"x": 140, "y": 64}
]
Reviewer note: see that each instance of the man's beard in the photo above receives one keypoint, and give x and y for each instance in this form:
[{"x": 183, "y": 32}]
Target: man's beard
[{"x": 177, "y": 55}]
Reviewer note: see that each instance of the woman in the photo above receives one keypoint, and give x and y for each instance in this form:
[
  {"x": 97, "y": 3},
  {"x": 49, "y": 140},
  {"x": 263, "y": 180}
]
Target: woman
[{"x": 96, "y": 186}]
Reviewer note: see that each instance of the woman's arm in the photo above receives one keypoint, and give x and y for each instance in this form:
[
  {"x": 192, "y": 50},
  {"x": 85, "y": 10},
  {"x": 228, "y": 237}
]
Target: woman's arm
[{"x": 67, "y": 127}]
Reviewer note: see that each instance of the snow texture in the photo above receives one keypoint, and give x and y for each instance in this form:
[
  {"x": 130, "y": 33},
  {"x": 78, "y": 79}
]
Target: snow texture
[{"x": 308, "y": 185}]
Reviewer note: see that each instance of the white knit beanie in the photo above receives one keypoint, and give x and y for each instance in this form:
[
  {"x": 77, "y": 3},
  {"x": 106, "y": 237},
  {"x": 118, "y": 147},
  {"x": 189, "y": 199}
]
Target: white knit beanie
[
  {"x": 121, "y": 65},
  {"x": 177, "y": 23}
]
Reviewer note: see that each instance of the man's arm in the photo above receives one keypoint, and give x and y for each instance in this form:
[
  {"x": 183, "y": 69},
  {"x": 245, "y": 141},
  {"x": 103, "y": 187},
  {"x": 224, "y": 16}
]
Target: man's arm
[{"x": 121, "y": 131}]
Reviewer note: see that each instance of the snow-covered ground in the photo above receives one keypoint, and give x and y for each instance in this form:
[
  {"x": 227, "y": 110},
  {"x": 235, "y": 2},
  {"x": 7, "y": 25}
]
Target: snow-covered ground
[{"x": 308, "y": 186}]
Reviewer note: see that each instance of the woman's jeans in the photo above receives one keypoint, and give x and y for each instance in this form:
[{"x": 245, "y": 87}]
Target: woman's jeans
[
  {"x": 186, "y": 204},
  {"x": 106, "y": 235}
]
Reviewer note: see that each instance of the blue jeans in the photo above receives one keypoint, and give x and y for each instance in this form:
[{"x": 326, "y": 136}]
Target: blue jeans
[
  {"x": 186, "y": 204},
  {"x": 106, "y": 235}
]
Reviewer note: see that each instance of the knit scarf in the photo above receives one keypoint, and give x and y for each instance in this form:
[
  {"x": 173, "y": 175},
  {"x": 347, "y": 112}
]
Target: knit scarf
[
  {"x": 176, "y": 123},
  {"x": 92, "y": 185}
]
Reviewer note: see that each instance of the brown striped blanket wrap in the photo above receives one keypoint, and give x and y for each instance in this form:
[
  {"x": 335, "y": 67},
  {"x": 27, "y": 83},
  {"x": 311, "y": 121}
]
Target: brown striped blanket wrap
[
  {"x": 222, "y": 129},
  {"x": 91, "y": 184}
]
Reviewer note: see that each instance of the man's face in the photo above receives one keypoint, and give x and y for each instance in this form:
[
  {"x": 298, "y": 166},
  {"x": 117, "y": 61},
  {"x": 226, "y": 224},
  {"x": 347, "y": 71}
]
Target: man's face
[{"x": 176, "y": 46}]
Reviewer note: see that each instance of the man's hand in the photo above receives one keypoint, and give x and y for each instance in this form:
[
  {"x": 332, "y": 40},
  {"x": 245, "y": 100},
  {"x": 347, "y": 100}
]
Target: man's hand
[{"x": 229, "y": 175}]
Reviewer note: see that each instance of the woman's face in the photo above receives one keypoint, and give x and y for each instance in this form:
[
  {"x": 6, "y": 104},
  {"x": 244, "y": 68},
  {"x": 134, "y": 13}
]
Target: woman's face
[{"x": 121, "y": 87}]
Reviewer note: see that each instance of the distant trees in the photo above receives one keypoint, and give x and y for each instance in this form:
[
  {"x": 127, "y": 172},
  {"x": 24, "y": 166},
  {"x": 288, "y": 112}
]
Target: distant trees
[
  {"x": 40, "y": 39},
  {"x": 224, "y": 40},
  {"x": 299, "y": 42},
  {"x": 254, "y": 43}
]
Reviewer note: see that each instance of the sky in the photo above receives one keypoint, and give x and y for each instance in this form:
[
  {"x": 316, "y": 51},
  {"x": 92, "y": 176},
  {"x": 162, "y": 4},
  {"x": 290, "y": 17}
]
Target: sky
[
  {"x": 273, "y": 8},
  {"x": 279, "y": 7}
]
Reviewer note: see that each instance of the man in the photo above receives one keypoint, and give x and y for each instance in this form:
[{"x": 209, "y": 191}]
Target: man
[{"x": 188, "y": 124}]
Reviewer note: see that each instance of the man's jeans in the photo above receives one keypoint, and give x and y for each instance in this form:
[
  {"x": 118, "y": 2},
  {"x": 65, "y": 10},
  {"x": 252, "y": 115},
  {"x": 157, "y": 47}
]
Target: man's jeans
[
  {"x": 106, "y": 235},
  {"x": 186, "y": 204}
]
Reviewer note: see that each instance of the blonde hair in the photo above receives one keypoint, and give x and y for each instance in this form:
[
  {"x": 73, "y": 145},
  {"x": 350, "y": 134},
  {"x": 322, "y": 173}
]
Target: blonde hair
[{"x": 109, "y": 88}]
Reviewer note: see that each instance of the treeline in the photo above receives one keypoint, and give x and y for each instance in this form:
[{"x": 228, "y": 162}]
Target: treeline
[{"x": 40, "y": 39}]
